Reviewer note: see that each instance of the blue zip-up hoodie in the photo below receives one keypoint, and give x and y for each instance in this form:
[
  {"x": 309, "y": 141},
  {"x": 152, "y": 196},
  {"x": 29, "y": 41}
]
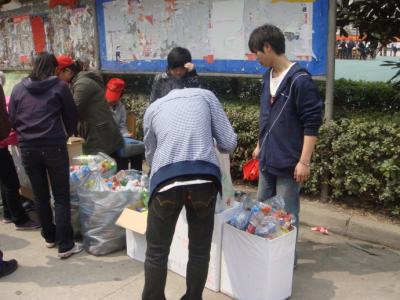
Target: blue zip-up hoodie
[
  {"x": 294, "y": 113},
  {"x": 42, "y": 112}
]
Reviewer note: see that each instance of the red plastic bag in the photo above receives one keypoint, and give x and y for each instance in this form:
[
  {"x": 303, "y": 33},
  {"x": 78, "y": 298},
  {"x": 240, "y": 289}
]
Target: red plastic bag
[{"x": 250, "y": 170}]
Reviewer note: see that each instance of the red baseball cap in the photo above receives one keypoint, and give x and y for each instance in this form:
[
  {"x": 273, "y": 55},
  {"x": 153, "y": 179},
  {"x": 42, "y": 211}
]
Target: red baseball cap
[
  {"x": 64, "y": 61},
  {"x": 115, "y": 87}
]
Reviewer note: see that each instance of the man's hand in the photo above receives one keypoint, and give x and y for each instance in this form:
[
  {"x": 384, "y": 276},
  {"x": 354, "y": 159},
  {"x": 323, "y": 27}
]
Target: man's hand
[
  {"x": 301, "y": 172},
  {"x": 256, "y": 152},
  {"x": 189, "y": 67}
]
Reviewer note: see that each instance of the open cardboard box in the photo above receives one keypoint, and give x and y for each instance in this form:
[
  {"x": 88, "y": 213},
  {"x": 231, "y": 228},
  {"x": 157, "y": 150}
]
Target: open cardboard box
[
  {"x": 135, "y": 224},
  {"x": 74, "y": 147}
]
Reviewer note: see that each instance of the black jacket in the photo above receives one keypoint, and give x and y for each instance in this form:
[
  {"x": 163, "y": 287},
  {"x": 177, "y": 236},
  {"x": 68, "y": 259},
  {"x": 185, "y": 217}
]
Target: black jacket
[
  {"x": 42, "y": 112},
  {"x": 296, "y": 112}
]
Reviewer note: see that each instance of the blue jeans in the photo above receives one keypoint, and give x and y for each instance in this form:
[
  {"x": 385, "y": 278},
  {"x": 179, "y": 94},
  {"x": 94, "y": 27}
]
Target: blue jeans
[
  {"x": 131, "y": 148},
  {"x": 270, "y": 185}
]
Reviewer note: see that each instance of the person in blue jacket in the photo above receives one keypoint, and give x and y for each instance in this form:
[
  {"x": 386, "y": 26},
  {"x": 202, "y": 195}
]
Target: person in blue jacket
[{"x": 290, "y": 118}]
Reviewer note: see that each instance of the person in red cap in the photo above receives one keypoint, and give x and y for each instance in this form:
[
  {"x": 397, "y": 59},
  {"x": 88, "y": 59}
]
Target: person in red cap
[
  {"x": 66, "y": 68},
  {"x": 132, "y": 150}
]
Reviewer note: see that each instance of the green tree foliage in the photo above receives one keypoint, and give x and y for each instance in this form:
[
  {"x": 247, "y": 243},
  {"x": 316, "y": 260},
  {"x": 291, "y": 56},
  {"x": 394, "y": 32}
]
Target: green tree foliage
[{"x": 379, "y": 20}]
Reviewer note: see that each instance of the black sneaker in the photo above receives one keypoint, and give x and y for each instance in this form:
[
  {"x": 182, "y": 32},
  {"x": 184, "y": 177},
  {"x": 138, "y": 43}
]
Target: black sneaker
[
  {"x": 8, "y": 267},
  {"x": 74, "y": 250},
  {"x": 28, "y": 205},
  {"x": 28, "y": 225}
]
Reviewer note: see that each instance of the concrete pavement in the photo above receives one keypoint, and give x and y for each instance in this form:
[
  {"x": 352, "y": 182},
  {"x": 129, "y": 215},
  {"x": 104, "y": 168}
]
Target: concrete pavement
[{"x": 330, "y": 267}]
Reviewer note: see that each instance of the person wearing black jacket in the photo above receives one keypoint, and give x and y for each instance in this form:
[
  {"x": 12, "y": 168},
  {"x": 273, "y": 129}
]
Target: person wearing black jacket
[
  {"x": 290, "y": 117},
  {"x": 6, "y": 266},
  {"x": 44, "y": 115},
  {"x": 179, "y": 66}
]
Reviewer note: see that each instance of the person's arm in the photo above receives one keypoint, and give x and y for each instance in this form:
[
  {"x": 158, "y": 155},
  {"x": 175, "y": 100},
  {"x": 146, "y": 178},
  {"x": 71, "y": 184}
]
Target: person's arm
[
  {"x": 150, "y": 140},
  {"x": 309, "y": 108},
  {"x": 4, "y": 119},
  {"x": 155, "y": 92},
  {"x": 191, "y": 79},
  {"x": 81, "y": 95},
  {"x": 262, "y": 118},
  {"x": 69, "y": 111},
  {"x": 221, "y": 128},
  {"x": 122, "y": 120},
  {"x": 302, "y": 170}
]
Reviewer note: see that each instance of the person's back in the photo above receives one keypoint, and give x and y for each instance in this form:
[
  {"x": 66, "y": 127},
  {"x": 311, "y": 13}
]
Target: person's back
[
  {"x": 97, "y": 125},
  {"x": 180, "y": 129},
  {"x": 36, "y": 107},
  {"x": 185, "y": 123}
]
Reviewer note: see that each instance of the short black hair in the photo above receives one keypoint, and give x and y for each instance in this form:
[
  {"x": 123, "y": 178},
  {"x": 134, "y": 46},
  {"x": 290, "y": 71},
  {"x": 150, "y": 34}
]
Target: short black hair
[
  {"x": 267, "y": 34},
  {"x": 178, "y": 57},
  {"x": 44, "y": 66},
  {"x": 163, "y": 85}
]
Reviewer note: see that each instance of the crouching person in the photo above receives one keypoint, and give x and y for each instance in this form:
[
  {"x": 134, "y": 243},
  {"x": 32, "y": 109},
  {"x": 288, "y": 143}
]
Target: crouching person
[{"x": 179, "y": 130}]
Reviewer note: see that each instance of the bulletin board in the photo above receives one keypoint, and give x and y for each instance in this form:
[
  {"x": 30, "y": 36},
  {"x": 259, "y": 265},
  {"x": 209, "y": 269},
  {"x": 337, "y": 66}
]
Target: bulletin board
[
  {"x": 135, "y": 36},
  {"x": 30, "y": 27}
]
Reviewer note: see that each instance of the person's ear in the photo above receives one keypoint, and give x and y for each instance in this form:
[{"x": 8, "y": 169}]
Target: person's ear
[{"x": 267, "y": 48}]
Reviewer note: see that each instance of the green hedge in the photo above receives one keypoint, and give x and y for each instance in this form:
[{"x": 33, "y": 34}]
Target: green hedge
[
  {"x": 358, "y": 156},
  {"x": 349, "y": 96}
]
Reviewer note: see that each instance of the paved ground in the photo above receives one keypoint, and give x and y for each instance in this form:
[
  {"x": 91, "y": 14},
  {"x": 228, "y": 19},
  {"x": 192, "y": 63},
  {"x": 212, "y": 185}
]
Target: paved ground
[
  {"x": 330, "y": 267},
  {"x": 369, "y": 70}
]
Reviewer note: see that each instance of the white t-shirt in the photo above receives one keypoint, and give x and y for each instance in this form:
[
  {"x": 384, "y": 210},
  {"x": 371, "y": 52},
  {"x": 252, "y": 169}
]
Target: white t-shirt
[{"x": 275, "y": 82}]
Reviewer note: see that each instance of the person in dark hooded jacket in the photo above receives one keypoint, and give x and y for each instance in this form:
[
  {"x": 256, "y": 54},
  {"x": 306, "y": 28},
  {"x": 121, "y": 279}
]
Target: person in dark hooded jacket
[
  {"x": 43, "y": 113},
  {"x": 290, "y": 118}
]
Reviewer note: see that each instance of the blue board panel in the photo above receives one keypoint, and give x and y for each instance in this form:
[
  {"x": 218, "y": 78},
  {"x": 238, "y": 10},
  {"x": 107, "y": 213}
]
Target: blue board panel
[{"x": 317, "y": 66}]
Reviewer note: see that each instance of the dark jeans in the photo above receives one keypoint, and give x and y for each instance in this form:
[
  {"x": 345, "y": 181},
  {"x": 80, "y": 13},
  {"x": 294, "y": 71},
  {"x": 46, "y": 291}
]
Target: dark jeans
[
  {"x": 51, "y": 161},
  {"x": 9, "y": 185},
  {"x": 164, "y": 210},
  {"x": 123, "y": 162}
]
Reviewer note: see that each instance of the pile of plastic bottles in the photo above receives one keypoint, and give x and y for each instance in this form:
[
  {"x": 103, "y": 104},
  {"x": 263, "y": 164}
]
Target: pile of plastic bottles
[
  {"x": 268, "y": 219},
  {"x": 100, "y": 162},
  {"x": 124, "y": 181},
  {"x": 77, "y": 173},
  {"x": 127, "y": 180}
]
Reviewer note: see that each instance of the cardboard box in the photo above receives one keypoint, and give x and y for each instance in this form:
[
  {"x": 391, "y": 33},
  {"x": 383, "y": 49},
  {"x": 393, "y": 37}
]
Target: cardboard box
[
  {"x": 179, "y": 253},
  {"x": 75, "y": 147},
  {"x": 135, "y": 224},
  {"x": 256, "y": 268}
]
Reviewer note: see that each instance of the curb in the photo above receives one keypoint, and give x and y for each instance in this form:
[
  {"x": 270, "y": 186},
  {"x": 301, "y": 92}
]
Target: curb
[{"x": 357, "y": 227}]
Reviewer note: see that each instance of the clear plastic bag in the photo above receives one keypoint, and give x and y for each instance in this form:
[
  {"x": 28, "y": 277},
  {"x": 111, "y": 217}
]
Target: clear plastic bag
[
  {"x": 100, "y": 162},
  {"x": 228, "y": 192},
  {"x": 99, "y": 208},
  {"x": 22, "y": 176}
]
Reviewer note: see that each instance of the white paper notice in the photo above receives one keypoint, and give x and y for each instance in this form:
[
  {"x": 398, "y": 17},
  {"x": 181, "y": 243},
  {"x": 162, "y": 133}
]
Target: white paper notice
[{"x": 227, "y": 32}]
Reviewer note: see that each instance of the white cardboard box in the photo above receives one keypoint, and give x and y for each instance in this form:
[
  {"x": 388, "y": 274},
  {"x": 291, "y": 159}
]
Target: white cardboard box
[
  {"x": 178, "y": 256},
  {"x": 256, "y": 268},
  {"x": 135, "y": 224}
]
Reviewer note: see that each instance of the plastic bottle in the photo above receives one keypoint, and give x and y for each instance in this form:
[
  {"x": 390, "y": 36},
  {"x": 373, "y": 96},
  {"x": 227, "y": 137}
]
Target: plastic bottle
[
  {"x": 277, "y": 202},
  {"x": 241, "y": 219},
  {"x": 256, "y": 218},
  {"x": 267, "y": 229}
]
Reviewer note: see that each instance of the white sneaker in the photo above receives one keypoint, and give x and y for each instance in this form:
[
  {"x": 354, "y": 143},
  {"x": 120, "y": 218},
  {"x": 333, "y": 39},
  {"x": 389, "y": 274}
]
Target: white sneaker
[{"x": 74, "y": 250}]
